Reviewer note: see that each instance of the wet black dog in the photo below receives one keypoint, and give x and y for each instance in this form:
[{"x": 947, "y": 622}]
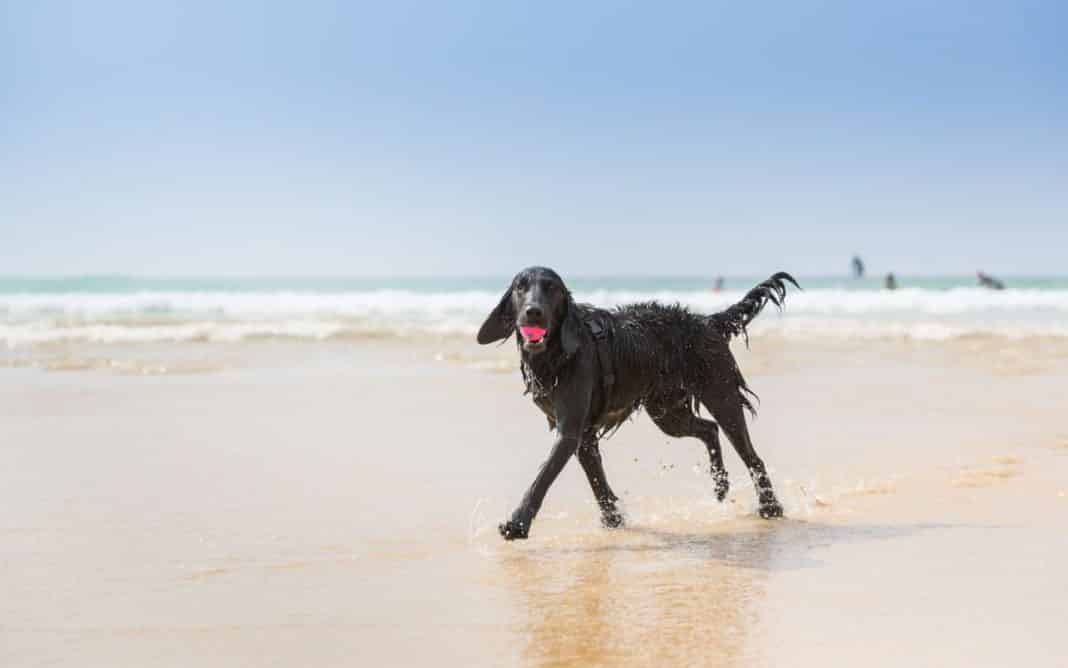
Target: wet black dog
[{"x": 588, "y": 369}]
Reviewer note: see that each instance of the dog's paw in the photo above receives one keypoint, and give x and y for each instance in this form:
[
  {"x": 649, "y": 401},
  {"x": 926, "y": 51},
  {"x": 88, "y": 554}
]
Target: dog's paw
[
  {"x": 723, "y": 485},
  {"x": 512, "y": 530},
  {"x": 612, "y": 519},
  {"x": 770, "y": 509}
]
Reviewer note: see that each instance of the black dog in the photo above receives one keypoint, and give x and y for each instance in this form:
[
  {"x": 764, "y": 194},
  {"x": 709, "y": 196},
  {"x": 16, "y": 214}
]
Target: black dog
[{"x": 588, "y": 369}]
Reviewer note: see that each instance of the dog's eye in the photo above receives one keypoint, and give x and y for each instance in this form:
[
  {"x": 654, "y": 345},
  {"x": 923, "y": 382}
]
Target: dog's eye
[{"x": 522, "y": 284}]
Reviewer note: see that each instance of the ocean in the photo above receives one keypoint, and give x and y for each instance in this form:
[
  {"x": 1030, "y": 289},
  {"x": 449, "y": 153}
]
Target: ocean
[{"x": 104, "y": 309}]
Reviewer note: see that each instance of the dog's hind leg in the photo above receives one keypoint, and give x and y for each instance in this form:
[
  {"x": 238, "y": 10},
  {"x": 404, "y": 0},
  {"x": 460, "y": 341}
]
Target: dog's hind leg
[
  {"x": 729, "y": 411},
  {"x": 678, "y": 421},
  {"x": 589, "y": 456}
]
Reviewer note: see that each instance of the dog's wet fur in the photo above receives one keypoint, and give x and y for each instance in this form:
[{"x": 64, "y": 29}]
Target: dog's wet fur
[{"x": 664, "y": 358}]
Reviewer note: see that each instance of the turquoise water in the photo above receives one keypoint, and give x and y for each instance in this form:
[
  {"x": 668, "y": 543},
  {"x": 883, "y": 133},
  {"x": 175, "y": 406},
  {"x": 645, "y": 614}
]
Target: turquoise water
[{"x": 129, "y": 284}]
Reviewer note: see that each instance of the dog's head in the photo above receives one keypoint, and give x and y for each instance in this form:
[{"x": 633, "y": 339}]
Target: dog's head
[{"x": 539, "y": 306}]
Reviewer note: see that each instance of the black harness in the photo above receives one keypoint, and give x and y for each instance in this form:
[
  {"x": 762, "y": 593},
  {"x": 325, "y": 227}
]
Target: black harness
[
  {"x": 598, "y": 324},
  {"x": 602, "y": 339}
]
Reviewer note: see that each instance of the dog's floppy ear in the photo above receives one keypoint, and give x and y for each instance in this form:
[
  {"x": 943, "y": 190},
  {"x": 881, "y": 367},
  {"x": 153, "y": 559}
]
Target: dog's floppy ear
[
  {"x": 500, "y": 323},
  {"x": 571, "y": 332}
]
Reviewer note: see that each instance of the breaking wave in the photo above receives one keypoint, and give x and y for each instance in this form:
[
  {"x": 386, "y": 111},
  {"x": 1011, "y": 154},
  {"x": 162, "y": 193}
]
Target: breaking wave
[{"x": 28, "y": 318}]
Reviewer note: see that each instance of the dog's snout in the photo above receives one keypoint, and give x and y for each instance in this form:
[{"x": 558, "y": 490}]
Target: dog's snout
[{"x": 534, "y": 312}]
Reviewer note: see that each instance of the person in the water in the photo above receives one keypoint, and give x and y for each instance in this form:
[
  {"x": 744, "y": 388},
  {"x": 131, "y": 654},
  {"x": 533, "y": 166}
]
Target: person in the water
[
  {"x": 891, "y": 282},
  {"x": 988, "y": 281},
  {"x": 858, "y": 267}
]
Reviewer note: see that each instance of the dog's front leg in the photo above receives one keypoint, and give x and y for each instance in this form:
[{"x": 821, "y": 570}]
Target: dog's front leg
[
  {"x": 572, "y": 403},
  {"x": 519, "y": 525}
]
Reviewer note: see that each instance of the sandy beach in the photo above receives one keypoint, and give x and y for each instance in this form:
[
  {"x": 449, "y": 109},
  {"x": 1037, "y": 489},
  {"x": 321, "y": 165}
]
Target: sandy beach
[{"x": 335, "y": 504}]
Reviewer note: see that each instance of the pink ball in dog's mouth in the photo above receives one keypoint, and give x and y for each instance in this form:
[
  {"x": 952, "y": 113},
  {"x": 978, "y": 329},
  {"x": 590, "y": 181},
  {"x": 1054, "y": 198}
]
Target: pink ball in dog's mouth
[{"x": 532, "y": 333}]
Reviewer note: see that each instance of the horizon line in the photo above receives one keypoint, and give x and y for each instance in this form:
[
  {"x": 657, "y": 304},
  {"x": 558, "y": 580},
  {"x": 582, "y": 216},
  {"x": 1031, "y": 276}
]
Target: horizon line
[{"x": 411, "y": 276}]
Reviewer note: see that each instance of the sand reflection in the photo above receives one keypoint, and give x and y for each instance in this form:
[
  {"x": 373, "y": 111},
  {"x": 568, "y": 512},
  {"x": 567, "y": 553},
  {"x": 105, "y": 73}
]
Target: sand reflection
[
  {"x": 643, "y": 597},
  {"x": 668, "y": 596}
]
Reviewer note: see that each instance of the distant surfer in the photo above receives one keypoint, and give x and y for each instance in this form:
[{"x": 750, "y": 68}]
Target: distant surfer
[
  {"x": 858, "y": 267},
  {"x": 988, "y": 281},
  {"x": 891, "y": 282}
]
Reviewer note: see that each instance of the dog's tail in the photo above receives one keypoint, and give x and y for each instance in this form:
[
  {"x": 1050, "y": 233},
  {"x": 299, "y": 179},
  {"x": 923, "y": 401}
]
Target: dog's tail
[{"x": 736, "y": 318}]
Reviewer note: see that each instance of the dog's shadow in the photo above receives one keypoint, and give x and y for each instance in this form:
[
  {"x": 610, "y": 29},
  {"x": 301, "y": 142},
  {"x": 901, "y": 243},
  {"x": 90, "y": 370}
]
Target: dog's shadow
[{"x": 652, "y": 596}]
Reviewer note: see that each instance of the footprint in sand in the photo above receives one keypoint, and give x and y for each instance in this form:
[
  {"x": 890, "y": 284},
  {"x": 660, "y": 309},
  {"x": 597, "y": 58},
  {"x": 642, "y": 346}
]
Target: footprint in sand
[
  {"x": 1007, "y": 460},
  {"x": 1003, "y": 470},
  {"x": 862, "y": 488},
  {"x": 497, "y": 365},
  {"x": 290, "y": 566},
  {"x": 207, "y": 573},
  {"x": 872, "y": 488}
]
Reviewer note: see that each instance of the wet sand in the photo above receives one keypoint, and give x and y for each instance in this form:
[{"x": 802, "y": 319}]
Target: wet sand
[{"x": 283, "y": 503}]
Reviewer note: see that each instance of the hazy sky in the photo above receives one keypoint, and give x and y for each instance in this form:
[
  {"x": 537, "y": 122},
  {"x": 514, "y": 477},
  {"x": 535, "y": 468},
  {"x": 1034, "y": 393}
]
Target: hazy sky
[{"x": 473, "y": 138}]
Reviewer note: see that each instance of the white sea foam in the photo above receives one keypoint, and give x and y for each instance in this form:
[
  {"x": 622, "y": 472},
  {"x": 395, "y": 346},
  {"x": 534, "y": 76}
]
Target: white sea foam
[{"x": 29, "y": 318}]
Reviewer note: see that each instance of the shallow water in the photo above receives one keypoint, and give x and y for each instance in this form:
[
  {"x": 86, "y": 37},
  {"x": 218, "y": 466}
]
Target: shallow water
[{"x": 337, "y": 504}]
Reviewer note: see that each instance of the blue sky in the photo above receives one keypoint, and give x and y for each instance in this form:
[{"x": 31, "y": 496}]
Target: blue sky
[{"x": 473, "y": 138}]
